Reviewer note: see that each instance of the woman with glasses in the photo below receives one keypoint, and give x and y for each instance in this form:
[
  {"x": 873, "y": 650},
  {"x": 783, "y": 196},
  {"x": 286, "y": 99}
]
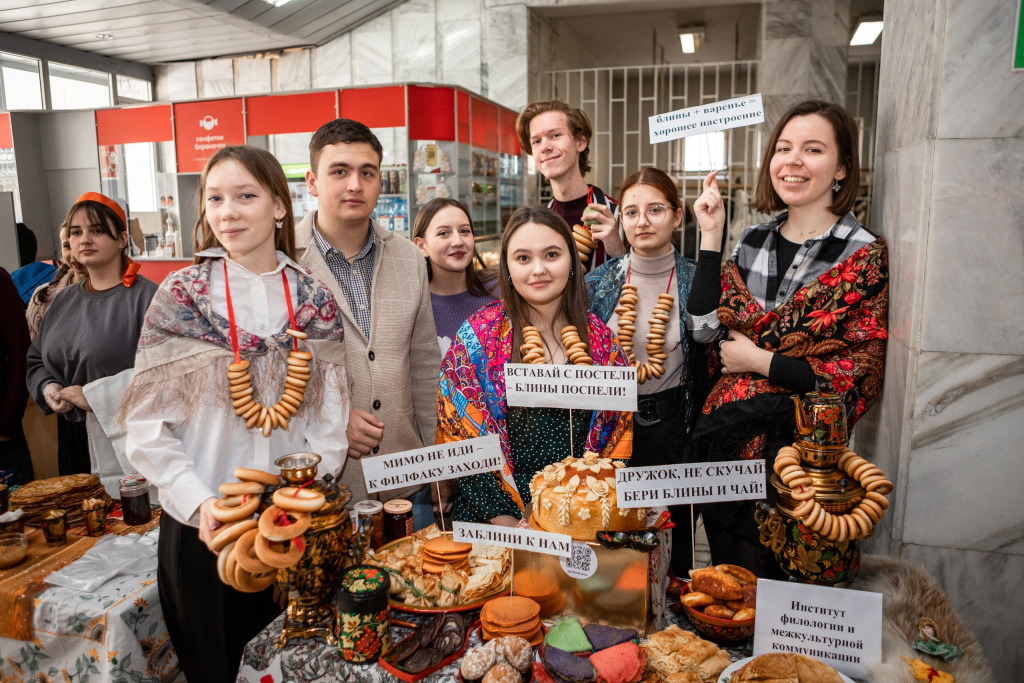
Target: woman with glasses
[{"x": 642, "y": 295}]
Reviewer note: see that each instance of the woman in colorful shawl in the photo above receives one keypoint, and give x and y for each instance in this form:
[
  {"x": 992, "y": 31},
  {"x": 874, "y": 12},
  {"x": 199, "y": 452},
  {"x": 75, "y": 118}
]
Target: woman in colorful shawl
[
  {"x": 650, "y": 212},
  {"x": 801, "y": 306},
  {"x": 542, "y": 286},
  {"x": 185, "y": 433}
]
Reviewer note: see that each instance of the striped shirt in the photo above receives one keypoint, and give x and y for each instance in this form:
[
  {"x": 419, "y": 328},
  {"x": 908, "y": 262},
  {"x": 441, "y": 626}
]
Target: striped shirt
[{"x": 355, "y": 278}]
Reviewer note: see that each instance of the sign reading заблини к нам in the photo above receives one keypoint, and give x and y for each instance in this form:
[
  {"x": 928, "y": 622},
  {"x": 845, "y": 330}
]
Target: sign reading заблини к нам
[
  {"x": 707, "y": 118},
  {"x": 584, "y": 387}
]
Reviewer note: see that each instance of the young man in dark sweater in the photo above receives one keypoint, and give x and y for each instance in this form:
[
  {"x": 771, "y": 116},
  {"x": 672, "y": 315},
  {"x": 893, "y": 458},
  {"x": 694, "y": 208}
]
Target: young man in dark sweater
[{"x": 558, "y": 137}]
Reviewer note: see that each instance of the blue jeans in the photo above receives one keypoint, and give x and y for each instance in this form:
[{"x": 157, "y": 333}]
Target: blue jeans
[{"x": 422, "y": 509}]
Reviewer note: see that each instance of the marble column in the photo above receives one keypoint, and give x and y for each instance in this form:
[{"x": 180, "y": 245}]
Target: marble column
[
  {"x": 803, "y": 53},
  {"x": 949, "y": 194}
]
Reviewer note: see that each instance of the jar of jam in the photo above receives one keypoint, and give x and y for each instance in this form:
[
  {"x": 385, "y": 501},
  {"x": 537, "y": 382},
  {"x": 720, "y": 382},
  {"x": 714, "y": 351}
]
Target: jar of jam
[
  {"x": 397, "y": 519},
  {"x": 373, "y": 509},
  {"x": 135, "y": 500}
]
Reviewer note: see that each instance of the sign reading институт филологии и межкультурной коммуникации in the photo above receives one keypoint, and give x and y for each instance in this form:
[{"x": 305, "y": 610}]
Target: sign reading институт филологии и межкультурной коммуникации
[{"x": 838, "y": 626}]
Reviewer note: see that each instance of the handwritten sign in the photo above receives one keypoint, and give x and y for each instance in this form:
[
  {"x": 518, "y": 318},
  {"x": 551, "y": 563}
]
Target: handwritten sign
[
  {"x": 707, "y": 118},
  {"x": 516, "y": 538},
  {"x": 432, "y": 463},
  {"x": 586, "y": 387},
  {"x": 699, "y": 482},
  {"x": 840, "y": 627}
]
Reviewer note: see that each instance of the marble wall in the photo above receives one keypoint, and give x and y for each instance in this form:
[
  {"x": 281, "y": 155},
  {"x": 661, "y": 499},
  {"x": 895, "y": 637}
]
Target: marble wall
[{"x": 949, "y": 196}]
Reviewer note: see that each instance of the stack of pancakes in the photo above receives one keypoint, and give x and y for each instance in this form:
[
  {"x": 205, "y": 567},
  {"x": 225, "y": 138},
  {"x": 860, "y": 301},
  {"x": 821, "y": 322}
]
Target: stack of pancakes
[
  {"x": 67, "y": 493},
  {"x": 542, "y": 588},
  {"x": 441, "y": 551},
  {"x": 511, "y": 616}
]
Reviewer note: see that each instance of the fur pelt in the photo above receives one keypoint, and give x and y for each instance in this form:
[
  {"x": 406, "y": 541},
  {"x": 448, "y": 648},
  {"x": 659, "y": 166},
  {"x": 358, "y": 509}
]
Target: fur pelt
[{"x": 910, "y": 594}]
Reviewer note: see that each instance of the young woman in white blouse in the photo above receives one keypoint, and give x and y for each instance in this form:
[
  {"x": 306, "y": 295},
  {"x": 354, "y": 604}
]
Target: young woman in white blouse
[{"x": 234, "y": 306}]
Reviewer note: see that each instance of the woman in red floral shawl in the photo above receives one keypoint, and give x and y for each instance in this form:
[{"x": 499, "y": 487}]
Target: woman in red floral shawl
[{"x": 801, "y": 306}]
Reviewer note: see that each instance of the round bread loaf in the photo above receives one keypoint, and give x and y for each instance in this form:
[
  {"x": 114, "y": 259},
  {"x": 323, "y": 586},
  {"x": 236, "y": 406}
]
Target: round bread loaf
[{"x": 577, "y": 497}]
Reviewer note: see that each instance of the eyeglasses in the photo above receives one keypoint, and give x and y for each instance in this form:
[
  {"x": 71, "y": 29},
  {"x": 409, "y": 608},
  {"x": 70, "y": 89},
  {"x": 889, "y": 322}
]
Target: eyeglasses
[{"x": 656, "y": 213}]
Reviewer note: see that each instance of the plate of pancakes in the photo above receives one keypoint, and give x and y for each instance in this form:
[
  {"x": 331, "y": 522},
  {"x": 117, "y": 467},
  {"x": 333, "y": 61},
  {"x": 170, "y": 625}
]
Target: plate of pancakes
[{"x": 431, "y": 572}]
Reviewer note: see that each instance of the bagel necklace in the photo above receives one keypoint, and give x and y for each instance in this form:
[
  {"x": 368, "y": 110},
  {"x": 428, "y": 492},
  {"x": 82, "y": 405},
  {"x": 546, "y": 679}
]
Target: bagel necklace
[
  {"x": 534, "y": 352},
  {"x": 267, "y": 418},
  {"x": 654, "y": 367}
]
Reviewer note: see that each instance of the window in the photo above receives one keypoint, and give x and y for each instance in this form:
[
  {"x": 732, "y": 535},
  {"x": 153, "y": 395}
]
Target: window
[
  {"x": 140, "y": 173},
  {"x": 133, "y": 90},
  {"x": 19, "y": 82},
  {"x": 704, "y": 152},
  {"x": 74, "y": 88}
]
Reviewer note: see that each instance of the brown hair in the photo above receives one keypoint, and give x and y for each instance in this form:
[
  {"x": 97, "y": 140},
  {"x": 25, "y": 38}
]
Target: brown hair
[
  {"x": 577, "y": 119},
  {"x": 267, "y": 171},
  {"x": 766, "y": 200},
  {"x": 657, "y": 179},
  {"x": 341, "y": 131},
  {"x": 99, "y": 214},
  {"x": 474, "y": 284},
  {"x": 575, "y": 302}
]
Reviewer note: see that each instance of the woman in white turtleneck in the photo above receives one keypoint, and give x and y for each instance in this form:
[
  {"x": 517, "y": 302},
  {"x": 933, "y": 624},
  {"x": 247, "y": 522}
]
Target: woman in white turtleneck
[{"x": 650, "y": 212}]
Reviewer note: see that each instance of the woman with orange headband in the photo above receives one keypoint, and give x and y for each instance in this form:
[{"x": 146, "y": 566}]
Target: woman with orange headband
[{"x": 91, "y": 329}]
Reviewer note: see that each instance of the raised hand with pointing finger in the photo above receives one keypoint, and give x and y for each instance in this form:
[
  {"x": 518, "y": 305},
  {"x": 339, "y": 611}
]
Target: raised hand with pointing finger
[{"x": 710, "y": 211}]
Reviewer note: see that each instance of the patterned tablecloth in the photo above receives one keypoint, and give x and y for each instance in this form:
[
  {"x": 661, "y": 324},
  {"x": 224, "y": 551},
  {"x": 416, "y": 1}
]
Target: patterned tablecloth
[
  {"x": 114, "y": 634},
  {"x": 314, "y": 661}
]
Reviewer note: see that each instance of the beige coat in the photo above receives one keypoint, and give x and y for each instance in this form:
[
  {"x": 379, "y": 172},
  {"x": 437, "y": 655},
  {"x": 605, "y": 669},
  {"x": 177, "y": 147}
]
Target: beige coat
[{"x": 406, "y": 365}]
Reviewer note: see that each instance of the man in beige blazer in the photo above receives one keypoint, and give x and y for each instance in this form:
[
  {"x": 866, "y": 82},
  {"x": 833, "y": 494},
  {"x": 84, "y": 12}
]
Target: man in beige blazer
[{"x": 380, "y": 282}]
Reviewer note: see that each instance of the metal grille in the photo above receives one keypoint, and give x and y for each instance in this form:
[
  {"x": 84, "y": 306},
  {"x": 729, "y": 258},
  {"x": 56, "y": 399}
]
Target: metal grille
[
  {"x": 862, "y": 103},
  {"x": 620, "y": 100}
]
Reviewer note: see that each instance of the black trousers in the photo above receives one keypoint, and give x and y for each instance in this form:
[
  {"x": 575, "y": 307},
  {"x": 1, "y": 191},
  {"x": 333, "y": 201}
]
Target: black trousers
[
  {"x": 72, "y": 447},
  {"x": 733, "y": 539},
  {"x": 14, "y": 455},
  {"x": 663, "y": 442},
  {"x": 209, "y": 622}
]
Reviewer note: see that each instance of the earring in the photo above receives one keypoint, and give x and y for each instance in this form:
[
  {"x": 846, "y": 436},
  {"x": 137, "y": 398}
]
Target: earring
[
  {"x": 279, "y": 224},
  {"x": 836, "y": 187},
  {"x": 509, "y": 277},
  {"x": 572, "y": 273}
]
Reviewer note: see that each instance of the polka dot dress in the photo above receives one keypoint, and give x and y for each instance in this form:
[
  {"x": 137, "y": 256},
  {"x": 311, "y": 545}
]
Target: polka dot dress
[{"x": 538, "y": 437}]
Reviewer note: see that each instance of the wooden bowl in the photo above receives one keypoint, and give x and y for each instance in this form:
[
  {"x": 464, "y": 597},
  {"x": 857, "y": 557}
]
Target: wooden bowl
[{"x": 718, "y": 630}]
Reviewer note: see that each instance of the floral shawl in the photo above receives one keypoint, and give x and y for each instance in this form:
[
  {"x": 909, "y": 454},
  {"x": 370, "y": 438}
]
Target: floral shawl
[
  {"x": 471, "y": 395},
  {"x": 183, "y": 337},
  {"x": 837, "y": 323}
]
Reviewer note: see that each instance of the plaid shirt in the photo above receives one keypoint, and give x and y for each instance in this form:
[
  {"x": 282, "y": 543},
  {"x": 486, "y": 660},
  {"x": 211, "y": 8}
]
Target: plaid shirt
[
  {"x": 355, "y": 278},
  {"x": 756, "y": 258}
]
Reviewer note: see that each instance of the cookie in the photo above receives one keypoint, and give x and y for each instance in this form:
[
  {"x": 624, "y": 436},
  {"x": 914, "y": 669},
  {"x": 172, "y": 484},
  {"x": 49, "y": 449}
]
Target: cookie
[
  {"x": 502, "y": 673},
  {"x": 516, "y": 650},
  {"x": 602, "y": 637},
  {"x": 567, "y": 634},
  {"x": 476, "y": 662},
  {"x": 623, "y": 663}
]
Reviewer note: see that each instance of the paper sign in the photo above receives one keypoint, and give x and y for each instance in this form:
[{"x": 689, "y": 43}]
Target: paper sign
[
  {"x": 840, "y": 627},
  {"x": 707, "y": 118},
  {"x": 582, "y": 564},
  {"x": 432, "y": 463},
  {"x": 586, "y": 387},
  {"x": 699, "y": 482},
  {"x": 516, "y": 538}
]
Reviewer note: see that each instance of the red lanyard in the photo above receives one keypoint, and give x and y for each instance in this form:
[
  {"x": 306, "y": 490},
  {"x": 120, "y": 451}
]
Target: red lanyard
[
  {"x": 231, "y": 311},
  {"x": 629, "y": 272}
]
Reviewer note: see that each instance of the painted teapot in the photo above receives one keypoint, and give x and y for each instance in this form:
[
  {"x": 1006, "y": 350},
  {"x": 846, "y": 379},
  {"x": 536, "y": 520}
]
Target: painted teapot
[{"x": 821, "y": 418}]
